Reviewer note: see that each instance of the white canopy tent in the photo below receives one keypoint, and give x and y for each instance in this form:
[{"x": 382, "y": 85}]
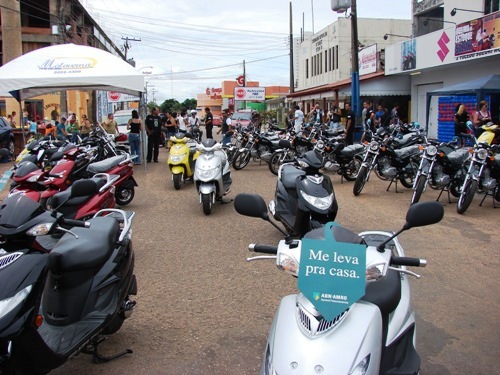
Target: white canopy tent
[{"x": 68, "y": 67}]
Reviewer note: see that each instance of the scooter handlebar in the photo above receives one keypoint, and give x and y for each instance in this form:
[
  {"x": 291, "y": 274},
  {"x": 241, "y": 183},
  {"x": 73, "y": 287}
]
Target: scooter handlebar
[
  {"x": 266, "y": 249},
  {"x": 76, "y": 223},
  {"x": 406, "y": 261}
]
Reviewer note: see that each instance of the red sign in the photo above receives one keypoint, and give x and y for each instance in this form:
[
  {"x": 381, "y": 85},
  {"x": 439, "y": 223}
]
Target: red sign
[
  {"x": 114, "y": 95},
  {"x": 240, "y": 80},
  {"x": 240, "y": 93}
]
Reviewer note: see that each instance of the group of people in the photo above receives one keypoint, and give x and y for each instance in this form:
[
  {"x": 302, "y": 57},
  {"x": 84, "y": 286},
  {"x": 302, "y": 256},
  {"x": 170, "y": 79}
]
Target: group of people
[
  {"x": 370, "y": 119},
  {"x": 157, "y": 127},
  {"x": 69, "y": 128},
  {"x": 479, "y": 118}
]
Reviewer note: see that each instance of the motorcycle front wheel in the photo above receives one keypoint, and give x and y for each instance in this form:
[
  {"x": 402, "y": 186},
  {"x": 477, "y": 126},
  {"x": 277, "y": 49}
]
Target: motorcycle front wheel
[
  {"x": 352, "y": 169},
  {"x": 124, "y": 196},
  {"x": 206, "y": 201},
  {"x": 419, "y": 189},
  {"x": 467, "y": 196},
  {"x": 241, "y": 160},
  {"x": 409, "y": 176},
  {"x": 177, "y": 179},
  {"x": 360, "y": 180}
]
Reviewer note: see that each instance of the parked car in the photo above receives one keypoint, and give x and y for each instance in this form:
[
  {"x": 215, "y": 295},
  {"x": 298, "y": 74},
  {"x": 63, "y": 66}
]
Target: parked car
[
  {"x": 6, "y": 135},
  {"x": 121, "y": 117},
  {"x": 242, "y": 117}
]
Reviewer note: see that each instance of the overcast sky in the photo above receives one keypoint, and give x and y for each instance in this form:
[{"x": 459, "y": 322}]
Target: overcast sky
[{"x": 196, "y": 44}]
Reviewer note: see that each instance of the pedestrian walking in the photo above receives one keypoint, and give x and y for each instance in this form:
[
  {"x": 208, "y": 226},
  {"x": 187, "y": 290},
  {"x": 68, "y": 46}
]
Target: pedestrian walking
[
  {"x": 134, "y": 136},
  {"x": 153, "y": 130},
  {"x": 349, "y": 124},
  {"x": 110, "y": 125},
  {"x": 209, "y": 122},
  {"x": 299, "y": 119}
]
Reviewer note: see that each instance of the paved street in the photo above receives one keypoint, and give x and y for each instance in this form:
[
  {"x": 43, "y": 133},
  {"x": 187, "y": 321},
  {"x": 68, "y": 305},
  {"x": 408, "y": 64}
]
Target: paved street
[{"x": 202, "y": 309}]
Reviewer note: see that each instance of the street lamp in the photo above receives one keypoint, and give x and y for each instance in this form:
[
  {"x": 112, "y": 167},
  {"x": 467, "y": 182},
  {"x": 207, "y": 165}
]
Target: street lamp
[
  {"x": 426, "y": 21},
  {"x": 401, "y": 36},
  {"x": 454, "y": 11}
]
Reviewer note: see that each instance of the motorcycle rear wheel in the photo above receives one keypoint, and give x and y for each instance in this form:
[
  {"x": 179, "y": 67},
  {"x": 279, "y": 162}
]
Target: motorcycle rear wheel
[
  {"x": 352, "y": 169},
  {"x": 419, "y": 189},
  {"x": 241, "y": 160},
  {"x": 124, "y": 196},
  {"x": 360, "y": 180},
  {"x": 177, "y": 179},
  {"x": 467, "y": 196},
  {"x": 206, "y": 201}
]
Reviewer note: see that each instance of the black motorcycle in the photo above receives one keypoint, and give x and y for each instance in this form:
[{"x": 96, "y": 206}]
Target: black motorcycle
[
  {"x": 483, "y": 175},
  {"x": 343, "y": 159},
  {"x": 259, "y": 146},
  {"x": 55, "y": 305},
  {"x": 304, "y": 197},
  {"x": 391, "y": 163},
  {"x": 297, "y": 145}
]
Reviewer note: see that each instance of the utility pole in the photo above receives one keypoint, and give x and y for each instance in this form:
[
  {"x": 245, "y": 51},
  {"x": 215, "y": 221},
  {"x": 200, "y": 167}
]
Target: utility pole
[
  {"x": 244, "y": 83},
  {"x": 126, "y": 45},
  {"x": 292, "y": 83},
  {"x": 355, "y": 64}
]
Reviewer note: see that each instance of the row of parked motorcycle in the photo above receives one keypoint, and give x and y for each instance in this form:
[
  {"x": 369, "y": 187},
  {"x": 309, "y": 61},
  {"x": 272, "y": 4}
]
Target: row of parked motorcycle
[
  {"x": 66, "y": 256},
  {"x": 375, "y": 333}
]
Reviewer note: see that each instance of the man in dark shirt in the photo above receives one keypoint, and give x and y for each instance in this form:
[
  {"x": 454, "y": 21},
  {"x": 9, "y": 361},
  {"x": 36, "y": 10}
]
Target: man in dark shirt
[
  {"x": 369, "y": 121},
  {"x": 209, "y": 118},
  {"x": 153, "y": 129},
  {"x": 349, "y": 124}
]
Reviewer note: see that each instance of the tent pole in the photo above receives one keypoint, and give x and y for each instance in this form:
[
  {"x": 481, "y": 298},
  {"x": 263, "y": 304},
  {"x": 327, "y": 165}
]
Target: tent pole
[
  {"x": 21, "y": 123},
  {"x": 143, "y": 113}
]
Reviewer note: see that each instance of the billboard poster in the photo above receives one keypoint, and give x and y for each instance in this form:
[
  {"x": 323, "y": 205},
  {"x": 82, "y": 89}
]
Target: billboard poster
[
  {"x": 409, "y": 55},
  {"x": 115, "y": 97},
  {"x": 478, "y": 37}
]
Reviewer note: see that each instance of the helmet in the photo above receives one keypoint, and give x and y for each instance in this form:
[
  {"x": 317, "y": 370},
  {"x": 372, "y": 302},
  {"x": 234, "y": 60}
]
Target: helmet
[{"x": 194, "y": 112}]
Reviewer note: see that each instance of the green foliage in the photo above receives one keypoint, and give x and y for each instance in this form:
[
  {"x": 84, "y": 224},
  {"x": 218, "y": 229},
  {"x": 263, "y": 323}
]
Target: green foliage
[{"x": 172, "y": 105}]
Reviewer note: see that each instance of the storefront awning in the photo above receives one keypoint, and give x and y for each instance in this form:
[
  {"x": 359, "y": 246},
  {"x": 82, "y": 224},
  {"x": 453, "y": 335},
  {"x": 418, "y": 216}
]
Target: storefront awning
[{"x": 375, "y": 84}]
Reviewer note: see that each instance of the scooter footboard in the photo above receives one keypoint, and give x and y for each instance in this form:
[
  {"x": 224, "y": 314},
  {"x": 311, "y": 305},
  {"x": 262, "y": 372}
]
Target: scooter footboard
[{"x": 337, "y": 350}]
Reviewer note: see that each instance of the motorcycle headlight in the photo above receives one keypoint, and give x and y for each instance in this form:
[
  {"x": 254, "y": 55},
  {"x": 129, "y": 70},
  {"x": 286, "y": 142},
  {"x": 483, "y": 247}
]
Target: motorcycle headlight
[
  {"x": 207, "y": 174},
  {"x": 9, "y": 304},
  {"x": 177, "y": 158},
  {"x": 482, "y": 154},
  {"x": 362, "y": 367},
  {"x": 303, "y": 164},
  {"x": 373, "y": 146},
  {"x": 431, "y": 150},
  {"x": 321, "y": 203},
  {"x": 40, "y": 229}
]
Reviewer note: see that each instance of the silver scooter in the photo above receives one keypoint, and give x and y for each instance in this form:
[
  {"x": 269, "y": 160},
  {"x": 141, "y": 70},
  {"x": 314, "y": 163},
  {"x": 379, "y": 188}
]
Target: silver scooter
[
  {"x": 212, "y": 176},
  {"x": 374, "y": 335}
]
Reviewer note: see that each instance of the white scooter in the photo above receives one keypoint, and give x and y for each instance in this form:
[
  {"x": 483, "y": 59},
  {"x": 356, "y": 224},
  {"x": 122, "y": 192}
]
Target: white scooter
[
  {"x": 212, "y": 176},
  {"x": 376, "y": 334}
]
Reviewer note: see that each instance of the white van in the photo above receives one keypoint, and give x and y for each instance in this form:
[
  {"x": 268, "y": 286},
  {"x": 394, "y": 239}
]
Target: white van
[{"x": 121, "y": 117}]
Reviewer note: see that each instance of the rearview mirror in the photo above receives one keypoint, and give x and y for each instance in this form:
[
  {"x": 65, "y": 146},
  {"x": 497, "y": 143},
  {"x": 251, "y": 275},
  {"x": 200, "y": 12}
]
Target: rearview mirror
[
  {"x": 252, "y": 205},
  {"x": 424, "y": 213}
]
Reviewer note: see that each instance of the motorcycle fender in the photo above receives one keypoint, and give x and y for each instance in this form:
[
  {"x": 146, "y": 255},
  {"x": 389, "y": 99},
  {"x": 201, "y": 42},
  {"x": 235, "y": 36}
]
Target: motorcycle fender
[
  {"x": 129, "y": 183},
  {"x": 207, "y": 188},
  {"x": 177, "y": 169},
  {"x": 338, "y": 351}
]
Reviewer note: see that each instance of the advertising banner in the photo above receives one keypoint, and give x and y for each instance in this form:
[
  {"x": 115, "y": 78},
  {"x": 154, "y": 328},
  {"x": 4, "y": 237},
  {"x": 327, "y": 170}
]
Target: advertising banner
[
  {"x": 477, "y": 38},
  {"x": 115, "y": 97},
  {"x": 367, "y": 59},
  {"x": 250, "y": 93}
]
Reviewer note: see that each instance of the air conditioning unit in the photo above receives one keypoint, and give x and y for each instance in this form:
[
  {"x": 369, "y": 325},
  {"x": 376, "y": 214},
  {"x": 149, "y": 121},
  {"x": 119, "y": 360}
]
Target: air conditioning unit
[{"x": 340, "y": 6}]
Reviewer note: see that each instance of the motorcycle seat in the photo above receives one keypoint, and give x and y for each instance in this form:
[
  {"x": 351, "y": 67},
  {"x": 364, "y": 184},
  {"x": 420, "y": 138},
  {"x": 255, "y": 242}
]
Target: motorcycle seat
[
  {"x": 91, "y": 249},
  {"x": 385, "y": 293},
  {"x": 400, "y": 142},
  {"x": 63, "y": 196},
  {"x": 352, "y": 150},
  {"x": 289, "y": 175},
  {"x": 106, "y": 164}
]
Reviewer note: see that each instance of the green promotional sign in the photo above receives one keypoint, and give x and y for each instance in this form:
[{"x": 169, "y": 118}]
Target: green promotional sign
[{"x": 332, "y": 274}]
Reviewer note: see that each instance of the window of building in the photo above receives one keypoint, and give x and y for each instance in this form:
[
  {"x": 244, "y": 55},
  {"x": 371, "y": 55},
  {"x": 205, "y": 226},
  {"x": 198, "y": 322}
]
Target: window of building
[
  {"x": 35, "y": 14},
  {"x": 491, "y": 6},
  {"x": 307, "y": 68},
  {"x": 326, "y": 61},
  {"x": 336, "y": 57},
  {"x": 320, "y": 58},
  {"x": 3, "y": 108}
]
